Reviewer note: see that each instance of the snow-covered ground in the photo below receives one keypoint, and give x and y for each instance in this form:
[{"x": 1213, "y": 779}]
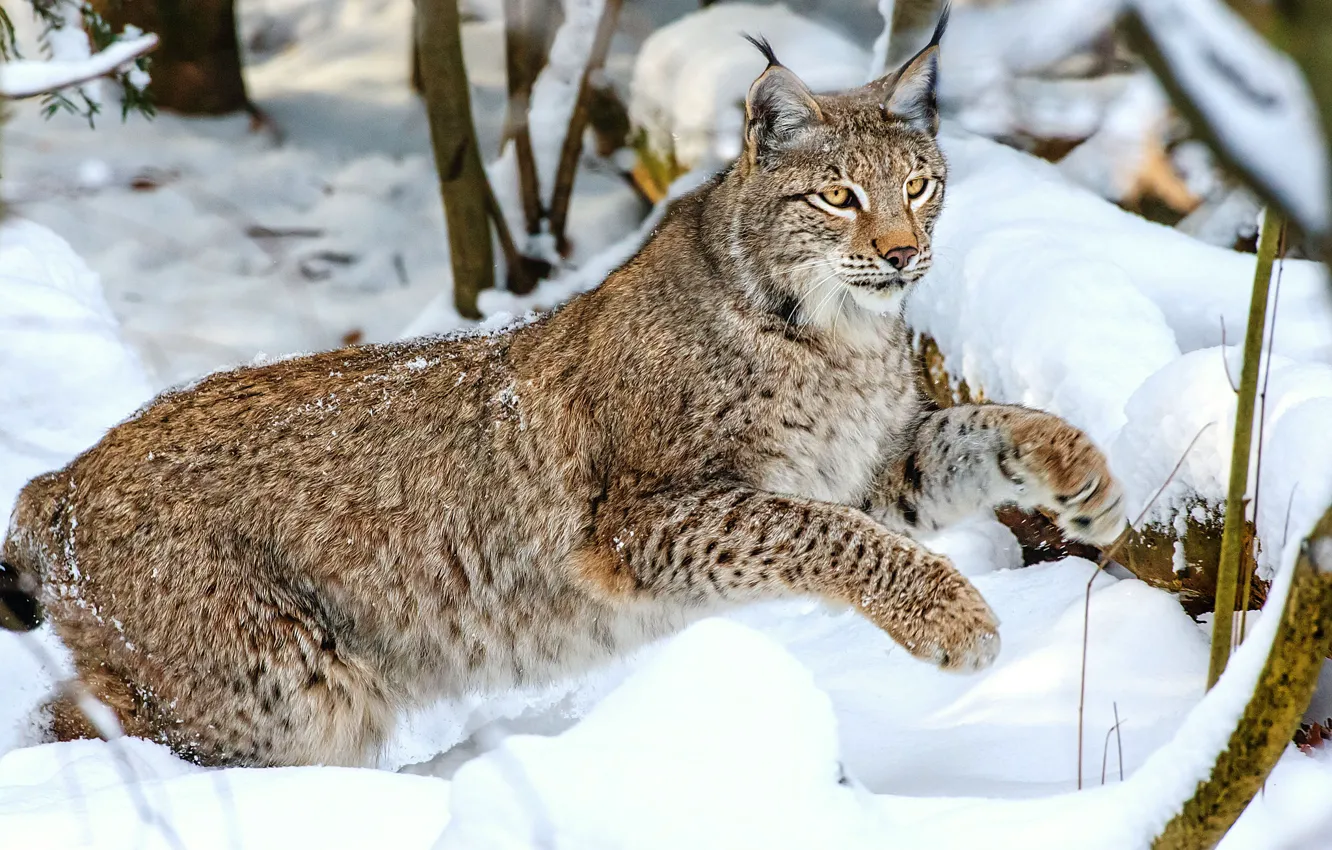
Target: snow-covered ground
[{"x": 204, "y": 244}]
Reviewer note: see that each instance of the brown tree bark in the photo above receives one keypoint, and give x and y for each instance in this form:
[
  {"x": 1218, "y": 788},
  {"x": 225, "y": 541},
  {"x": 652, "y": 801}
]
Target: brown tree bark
[
  {"x": 196, "y": 69},
  {"x": 462, "y": 180},
  {"x": 1279, "y": 700}
]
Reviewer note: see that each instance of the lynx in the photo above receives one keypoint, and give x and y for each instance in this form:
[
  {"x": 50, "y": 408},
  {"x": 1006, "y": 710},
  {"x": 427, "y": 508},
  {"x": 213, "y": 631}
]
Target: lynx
[{"x": 267, "y": 568}]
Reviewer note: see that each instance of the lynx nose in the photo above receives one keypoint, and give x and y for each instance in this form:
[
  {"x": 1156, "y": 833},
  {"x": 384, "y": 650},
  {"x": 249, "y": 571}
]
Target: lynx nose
[{"x": 900, "y": 256}]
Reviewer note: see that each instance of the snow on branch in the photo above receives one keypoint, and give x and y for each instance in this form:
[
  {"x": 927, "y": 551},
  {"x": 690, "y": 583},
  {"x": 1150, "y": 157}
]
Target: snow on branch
[
  {"x": 1254, "y": 100},
  {"x": 1278, "y": 694},
  {"x": 24, "y": 78},
  {"x": 79, "y": 47}
]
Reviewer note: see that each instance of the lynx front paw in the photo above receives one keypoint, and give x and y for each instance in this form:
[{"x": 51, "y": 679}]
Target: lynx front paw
[
  {"x": 940, "y": 618},
  {"x": 960, "y": 636},
  {"x": 1058, "y": 470}
]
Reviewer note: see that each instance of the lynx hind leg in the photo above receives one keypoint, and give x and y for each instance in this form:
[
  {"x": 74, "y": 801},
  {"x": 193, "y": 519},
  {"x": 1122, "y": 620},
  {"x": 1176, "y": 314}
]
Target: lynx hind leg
[
  {"x": 1059, "y": 470},
  {"x": 287, "y": 706},
  {"x": 96, "y": 705}
]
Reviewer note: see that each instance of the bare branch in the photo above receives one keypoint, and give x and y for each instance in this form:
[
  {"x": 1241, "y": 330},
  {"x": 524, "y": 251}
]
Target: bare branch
[
  {"x": 1249, "y": 562},
  {"x": 1105, "y": 749},
  {"x": 522, "y": 272},
  {"x": 21, "y": 79},
  {"x": 573, "y": 137},
  {"x": 528, "y": 28},
  {"x": 1106, "y": 557}
]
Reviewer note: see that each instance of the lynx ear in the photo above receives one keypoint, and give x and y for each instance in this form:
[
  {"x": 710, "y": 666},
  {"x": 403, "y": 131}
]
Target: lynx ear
[
  {"x": 910, "y": 96},
  {"x": 778, "y": 107}
]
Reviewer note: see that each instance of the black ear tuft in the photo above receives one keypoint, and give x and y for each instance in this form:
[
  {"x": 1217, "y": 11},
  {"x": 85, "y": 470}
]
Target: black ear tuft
[
  {"x": 943, "y": 23},
  {"x": 763, "y": 47},
  {"x": 777, "y": 108},
  {"x": 911, "y": 97}
]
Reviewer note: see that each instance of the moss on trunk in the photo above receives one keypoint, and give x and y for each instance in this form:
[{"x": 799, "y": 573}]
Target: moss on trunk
[{"x": 1302, "y": 641}]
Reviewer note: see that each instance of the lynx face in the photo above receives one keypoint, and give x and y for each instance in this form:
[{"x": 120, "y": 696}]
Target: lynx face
[
  {"x": 843, "y": 190},
  {"x": 866, "y": 218}
]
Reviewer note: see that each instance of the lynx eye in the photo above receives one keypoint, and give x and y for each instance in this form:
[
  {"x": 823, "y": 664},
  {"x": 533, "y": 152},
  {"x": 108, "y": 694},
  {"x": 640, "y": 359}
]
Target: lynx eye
[
  {"x": 915, "y": 187},
  {"x": 838, "y": 196}
]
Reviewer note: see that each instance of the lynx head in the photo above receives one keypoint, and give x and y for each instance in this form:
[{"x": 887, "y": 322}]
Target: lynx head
[{"x": 839, "y": 191}]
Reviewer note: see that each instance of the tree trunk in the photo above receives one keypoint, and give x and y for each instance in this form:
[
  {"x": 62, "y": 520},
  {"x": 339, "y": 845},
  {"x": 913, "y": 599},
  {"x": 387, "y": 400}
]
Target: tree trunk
[
  {"x": 418, "y": 84},
  {"x": 462, "y": 180},
  {"x": 1273, "y": 713},
  {"x": 196, "y": 69}
]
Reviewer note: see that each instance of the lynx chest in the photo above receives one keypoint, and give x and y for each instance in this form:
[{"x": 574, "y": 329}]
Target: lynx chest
[{"x": 836, "y": 422}]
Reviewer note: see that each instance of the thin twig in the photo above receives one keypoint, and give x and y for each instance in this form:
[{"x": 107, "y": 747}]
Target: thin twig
[
  {"x": 84, "y": 71},
  {"x": 518, "y": 279},
  {"x": 1105, "y": 750},
  {"x": 524, "y": 55},
  {"x": 562, "y": 193},
  {"x": 1119, "y": 740},
  {"x": 1106, "y": 556},
  {"x": 1290, "y": 503}
]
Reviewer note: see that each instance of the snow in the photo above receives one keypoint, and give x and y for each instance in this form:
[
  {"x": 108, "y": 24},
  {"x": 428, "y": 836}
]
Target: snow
[
  {"x": 691, "y": 77},
  {"x": 556, "y": 88},
  {"x": 1191, "y": 401},
  {"x": 725, "y": 727},
  {"x": 68, "y": 375},
  {"x": 552, "y": 102},
  {"x": 752, "y": 760},
  {"x": 1296, "y": 486},
  {"x": 785, "y": 725},
  {"x": 1003, "y": 285},
  {"x": 1255, "y": 98},
  {"x": 794, "y": 727},
  {"x": 29, "y": 77},
  {"x": 76, "y": 795},
  {"x": 349, "y": 197},
  {"x": 997, "y": 194},
  {"x": 879, "y": 63},
  {"x": 990, "y": 47},
  {"x": 559, "y": 288},
  {"x": 1108, "y": 161},
  {"x": 1041, "y": 284}
]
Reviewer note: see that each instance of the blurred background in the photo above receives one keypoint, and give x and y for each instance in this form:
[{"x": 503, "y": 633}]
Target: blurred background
[{"x": 286, "y": 195}]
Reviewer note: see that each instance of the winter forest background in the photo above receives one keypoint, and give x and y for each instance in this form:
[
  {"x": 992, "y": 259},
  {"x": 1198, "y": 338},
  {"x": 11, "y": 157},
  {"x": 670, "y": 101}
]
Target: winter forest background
[{"x": 1135, "y": 237}]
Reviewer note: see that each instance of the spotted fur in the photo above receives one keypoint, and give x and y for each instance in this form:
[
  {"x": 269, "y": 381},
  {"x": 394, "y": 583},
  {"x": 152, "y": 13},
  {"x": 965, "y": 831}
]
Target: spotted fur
[{"x": 269, "y": 567}]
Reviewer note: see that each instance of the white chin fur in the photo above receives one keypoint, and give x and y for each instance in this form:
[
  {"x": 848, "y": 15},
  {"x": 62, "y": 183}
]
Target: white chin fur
[{"x": 885, "y": 302}]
